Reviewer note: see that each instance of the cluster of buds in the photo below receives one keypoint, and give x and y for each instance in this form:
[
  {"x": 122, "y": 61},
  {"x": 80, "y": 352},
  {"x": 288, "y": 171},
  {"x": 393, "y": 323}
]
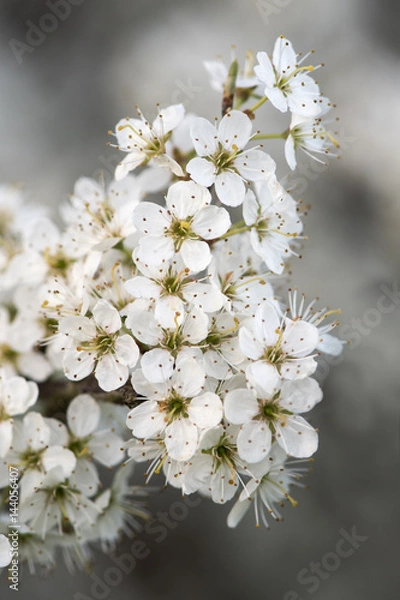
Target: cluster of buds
[{"x": 160, "y": 332}]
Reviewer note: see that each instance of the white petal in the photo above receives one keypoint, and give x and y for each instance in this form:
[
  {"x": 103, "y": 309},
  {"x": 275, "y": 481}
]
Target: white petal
[
  {"x": 85, "y": 477},
  {"x": 36, "y": 432},
  {"x": 80, "y": 328},
  {"x": 300, "y": 395},
  {"x": 146, "y": 420},
  {"x": 143, "y": 387},
  {"x": 187, "y": 198},
  {"x": 267, "y": 323},
  {"x": 131, "y": 131},
  {"x": 151, "y": 218},
  {"x": 5, "y": 551},
  {"x": 223, "y": 485},
  {"x": 58, "y": 432},
  {"x": 78, "y": 365},
  {"x": 140, "y": 319},
  {"x": 167, "y": 162},
  {"x": 155, "y": 249},
  {"x": 189, "y": 376},
  {"x": 196, "y": 255},
  {"x": 250, "y": 208},
  {"x": 142, "y": 287},
  {"x": 238, "y": 511},
  {"x": 298, "y": 369},
  {"x": 234, "y": 130},
  {"x": 254, "y": 441},
  {"x": 205, "y": 137},
  {"x": 284, "y": 57},
  {"x": 211, "y": 222},
  {"x": 181, "y": 438},
  {"x": 110, "y": 373},
  {"x": 157, "y": 365},
  {"x": 204, "y": 296},
  {"x": 299, "y": 338},
  {"x": 249, "y": 344},
  {"x": 202, "y": 171},
  {"x": 106, "y": 448},
  {"x": 297, "y": 437},
  {"x": 129, "y": 163},
  {"x": 230, "y": 188},
  {"x": 169, "y": 311},
  {"x": 290, "y": 153},
  {"x": 168, "y": 118},
  {"x": 87, "y": 191},
  {"x": 206, "y": 410},
  {"x": 18, "y": 395},
  {"x": 329, "y": 344},
  {"x": 83, "y": 415},
  {"x": 60, "y": 458},
  {"x": 264, "y": 70},
  {"x": 255, "y": 165},
  {"x": 195, "y": 328},
  {"x": 6, "y": 435},
  {"x": 240, "y": 406},
  {"x": 263, "y": 378},
  {"x": 277, "y": 98},
  {"x": 106, "y": 316},
  {"x": 126, "y": 350}
]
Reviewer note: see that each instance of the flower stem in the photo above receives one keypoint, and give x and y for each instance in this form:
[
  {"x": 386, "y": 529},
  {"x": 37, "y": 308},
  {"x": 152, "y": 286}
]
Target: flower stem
[
  {"x": 258, "y": 104},
  {"x": 240, "y": 227},
  {"x": 271, "y": 136}
]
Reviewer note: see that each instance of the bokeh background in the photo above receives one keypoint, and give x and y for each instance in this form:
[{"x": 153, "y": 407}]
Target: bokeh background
[{"x": 57, "y": 103}]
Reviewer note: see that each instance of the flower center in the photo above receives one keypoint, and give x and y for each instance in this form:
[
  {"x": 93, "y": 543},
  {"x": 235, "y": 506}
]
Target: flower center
[
  {"x": 223, "y": 160},
  {"x": 175, "y": 407}
]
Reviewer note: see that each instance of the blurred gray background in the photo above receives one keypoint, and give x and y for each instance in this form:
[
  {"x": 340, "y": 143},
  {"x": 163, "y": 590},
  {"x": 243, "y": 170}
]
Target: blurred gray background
[{"x": 57, "y": 101}]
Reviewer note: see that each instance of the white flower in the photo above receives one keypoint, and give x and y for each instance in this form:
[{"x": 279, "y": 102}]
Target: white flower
[
  {"x": 236, "y": 270},
  {"x": 176, "y": 409},
  {"x": 98, "y": 216},
  {"x": 96, "y": 344},
  {"x": 182, "y": 227},
  {"x": 269, "y": 488},
  {"x": 5, "y": 551},
  {"x": 265, "y": 413},
  {"x": 55, "y": 505},
  {"x": 121, "y": 505},
  {"x": 311, "y": 136},
  {"x": 146, "y": 142},
  {"x": 83, "y": 419},
  {"x": 167, "y": 345},
  {"x": 222, "y": 159},
  {"x": 173, "y": 291},
  {"x": 221, "y": 350},
  {"x": 218, "y": 73},
  {"x": 282, "y": 344},
  {"x": 287, "y": 85},
  {"x": 327, "y": 343},
  {"x": 31, "y": 437},
  {"x": 214, "y": 470},
  {"x": 271, "y": 214},
  {"x": 16, "y": 396},
  {"x": 20, "y": 336}
]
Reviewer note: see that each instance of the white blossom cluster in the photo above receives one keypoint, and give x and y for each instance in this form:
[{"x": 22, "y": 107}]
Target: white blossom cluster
[{"x": 160, "y": 320}]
